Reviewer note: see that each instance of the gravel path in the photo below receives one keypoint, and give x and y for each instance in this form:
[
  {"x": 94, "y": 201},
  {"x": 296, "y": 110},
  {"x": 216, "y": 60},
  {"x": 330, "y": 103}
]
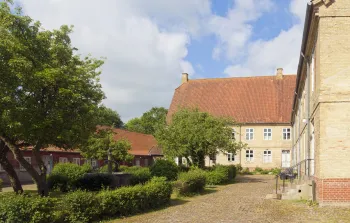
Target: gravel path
[{"x": 242, "y": 202}]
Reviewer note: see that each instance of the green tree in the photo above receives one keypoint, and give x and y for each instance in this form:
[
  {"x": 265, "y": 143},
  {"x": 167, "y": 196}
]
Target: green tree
[
  {"x": 149, "y": 122},
  {"x": 102, "y": 145},
  {"x": 48, "y": 94},
  {"x": 195, "y": 135},
  {"x": 108, "y": 117}
]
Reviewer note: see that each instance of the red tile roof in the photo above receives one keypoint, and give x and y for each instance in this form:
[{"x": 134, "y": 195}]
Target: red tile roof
[
  {"x": 141, "y": 144},
  {"x": 261, "y": 99}
]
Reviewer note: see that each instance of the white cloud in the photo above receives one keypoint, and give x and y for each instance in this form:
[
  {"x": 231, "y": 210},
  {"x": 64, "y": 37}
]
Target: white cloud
[
  {"x": 144, "y": 45},
  {"x": 263, "y": 57},
  {"x": 234, "y": 30}
]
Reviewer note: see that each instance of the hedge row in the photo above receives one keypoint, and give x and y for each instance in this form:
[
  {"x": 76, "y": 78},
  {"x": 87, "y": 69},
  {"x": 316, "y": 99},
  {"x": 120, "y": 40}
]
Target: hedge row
[
  {"x": 82, "y": 206},
  {"x": 139, "y": 175},
  {"x": 220, "y": 174},
  {"x": 191, "y": 182}
]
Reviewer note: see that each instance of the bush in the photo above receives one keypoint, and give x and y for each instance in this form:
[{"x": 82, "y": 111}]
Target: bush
[
  {"x": 139, "y": 175},
  {"x": 232, "y": 172},
  {"x": 165, "y": 168},
  {"x": 191, "y": 182},
  {"x": 183, "y": 168},
  {"x": 64, "y": 176},
  {"x": 258, "y": 170},
  {"x": 80, "y": 206},
  {"x": 26, "y": 208},
  {"x": 95, "y": 181},
  {"x": 239, "y": 168},
  {"x": 104, "y": 168},
  {"x": 221, "y": 174},
  {"x": 129, "y": 200}
]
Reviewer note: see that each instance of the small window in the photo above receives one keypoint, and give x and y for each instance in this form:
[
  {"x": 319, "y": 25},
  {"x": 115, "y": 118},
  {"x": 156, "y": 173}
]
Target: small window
[
  {"x": 212, "y": 156},
  {"x": 63, "y": 160},
  {"x": 249, "y": 134},
  {"x": 267, "y": 158},
  {"x": 267, "y": 134},
  {"x": 93, "y": 163},
  {"x": 137, "y": 162},
  {"x": 286, "y": 134},
  {"x": 29, "y": 160},
  {"x": 76, "y": 161},
  {"x": 230, "y": 157},
  {"x": 146, "y": 162},
  {"x": 249, "y": 154},
  {"x": 233, "y": 136}
]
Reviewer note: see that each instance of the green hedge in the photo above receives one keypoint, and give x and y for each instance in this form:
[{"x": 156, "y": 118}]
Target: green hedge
[
  {"x": 82, "y": 206},
  {"x": 221, "y": 174},
  {"x": 26, "y": 208},
  {"x": 165, "y": 168},
  {"x": 139, "y": 175},
  {"x": 64, "y": 176},
  {"x": 191, "y": 182},
  {"x": 95, "y": 181}
]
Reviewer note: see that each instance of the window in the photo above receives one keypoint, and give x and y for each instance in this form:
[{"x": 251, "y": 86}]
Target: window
[
  {"x": 1, "y": 169},
  {"x": 233, "y": 136},
  {"x": 146, "y": 162},
  {"x": 76, "y": 161},
  {"x": 29, "y": 160},
  {"x": 286, "y": 134},
  {"x": 249, "y": 134},
  {"x": 267, "y": 158},
  {"x": 249, "y": 155},
  {"x": 63, "y": 160},
  {"x": 267, "y": 134},
  {"x": 230, "y": 157},
  {"x": 93, "y": 163},
  {"x": 137, "y": 162}
]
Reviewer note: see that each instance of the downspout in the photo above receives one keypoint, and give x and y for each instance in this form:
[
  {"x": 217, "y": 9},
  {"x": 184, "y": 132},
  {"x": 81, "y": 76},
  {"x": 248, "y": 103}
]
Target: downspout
[
  {"x": 308, "y": 116},
  {"x": 240, "y": 140}
]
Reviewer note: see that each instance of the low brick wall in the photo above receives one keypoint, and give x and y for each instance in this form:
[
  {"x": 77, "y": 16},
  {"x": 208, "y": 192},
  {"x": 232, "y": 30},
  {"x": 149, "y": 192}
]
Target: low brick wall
[{"x": 333, "y": 190}]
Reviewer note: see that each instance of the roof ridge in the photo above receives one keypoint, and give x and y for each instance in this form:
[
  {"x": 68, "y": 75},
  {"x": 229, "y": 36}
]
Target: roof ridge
[{"x": 221, "y": 78}]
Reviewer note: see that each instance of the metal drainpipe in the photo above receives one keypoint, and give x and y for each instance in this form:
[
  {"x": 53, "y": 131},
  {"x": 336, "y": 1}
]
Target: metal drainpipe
[
  {"x": 240, "y": 140},
  {"x": 308, "y": 116}
]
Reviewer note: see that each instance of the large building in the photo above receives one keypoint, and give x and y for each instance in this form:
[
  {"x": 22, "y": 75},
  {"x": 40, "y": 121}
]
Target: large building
[
  {"x": 260, "y": 106},
  {"x": 321, "y": 109}
]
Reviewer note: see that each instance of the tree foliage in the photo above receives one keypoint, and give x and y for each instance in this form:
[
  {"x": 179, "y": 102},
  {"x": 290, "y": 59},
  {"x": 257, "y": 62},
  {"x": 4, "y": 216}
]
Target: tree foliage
[
  {"x": 109, "y": 117},
  {"x": 49, "y": 95},
  {"x": 195, "y": 135},
  {"x": 149, "y": 122},
  {"x": 103, "y": 141}
]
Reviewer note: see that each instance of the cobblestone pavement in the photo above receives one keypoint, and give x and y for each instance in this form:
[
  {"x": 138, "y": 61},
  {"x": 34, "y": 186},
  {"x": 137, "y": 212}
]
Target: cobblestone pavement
[{"x": 243, "y": 202}]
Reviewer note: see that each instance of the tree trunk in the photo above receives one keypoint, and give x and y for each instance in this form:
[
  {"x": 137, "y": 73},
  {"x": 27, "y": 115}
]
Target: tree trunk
[
  {"x": 198, "y": 159},
  {"x": 27, "y": 166},
  {"x": 43, "y": 188},
  {"x": 11, "y": 173}
]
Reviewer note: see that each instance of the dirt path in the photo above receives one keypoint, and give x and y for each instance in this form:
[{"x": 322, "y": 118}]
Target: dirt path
[{"x": 243, "y": 201}]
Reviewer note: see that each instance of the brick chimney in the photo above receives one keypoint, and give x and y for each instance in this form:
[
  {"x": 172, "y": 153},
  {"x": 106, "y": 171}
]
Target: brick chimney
[
  {"x": 279, "y": 74},
  {"x": 184, "y": 78}
]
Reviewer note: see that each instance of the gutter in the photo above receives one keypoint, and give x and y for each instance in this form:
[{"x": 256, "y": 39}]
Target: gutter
[{"x": 302, "y": 54}]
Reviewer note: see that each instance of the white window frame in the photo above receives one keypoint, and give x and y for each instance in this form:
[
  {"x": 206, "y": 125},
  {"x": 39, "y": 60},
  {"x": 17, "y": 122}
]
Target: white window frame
[
  {"x": 76, "y": 161},
  {"x": 285, "y": 133},
  {"x": 313, "y": 70},
  {"x": 267, "y": 134},
  {"x": 267, "y": 156},
  {"x": 93, "y": 163},
  {"x": 230, "y": 157},
  {"x": 29, "y": 160},
  {"x": 249, "y": 155},
  {"x": 249, "y": 133},
  {"x": 63, "y": 160}
]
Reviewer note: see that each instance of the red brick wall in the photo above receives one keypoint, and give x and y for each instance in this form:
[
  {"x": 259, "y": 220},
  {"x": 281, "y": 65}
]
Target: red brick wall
[{"x": 333, "y": 190}]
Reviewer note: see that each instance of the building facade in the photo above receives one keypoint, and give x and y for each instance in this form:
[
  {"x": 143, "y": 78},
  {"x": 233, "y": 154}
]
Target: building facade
[
  {"x": 321, "y": 109},
  {"x": 260, "y": 107}
]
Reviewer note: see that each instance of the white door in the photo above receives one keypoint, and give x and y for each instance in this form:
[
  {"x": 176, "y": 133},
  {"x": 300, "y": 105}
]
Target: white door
[{"x": 285, "y": 158}]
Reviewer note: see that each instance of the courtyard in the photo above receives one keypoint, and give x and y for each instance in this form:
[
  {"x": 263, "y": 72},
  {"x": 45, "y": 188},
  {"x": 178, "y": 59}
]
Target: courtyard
[{"x": 243, "y": 201}]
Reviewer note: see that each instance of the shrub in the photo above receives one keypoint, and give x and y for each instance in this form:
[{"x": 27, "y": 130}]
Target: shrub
[
  {"x": 26, "y": 208},
  {"x": 104, "y": 168},
  {"x": 139, "y": 175},
  {"x": 129, "y": 200},
  {"x": 246, "y": 171},
  {"x": 258, "y": 170},
  {"x": 191, "y": 182},
  {"x": 183, "y": 168},
  {"x": 95, "y": 181},
  {"x": 80, "y": 206},
  {"x": 68, "y": 172},
  {"x": 165, "y": 168},
  {"x": 239, "y": 168},
  {"x": 232, "y": 172},
  {"x": 221, "y": 174}
]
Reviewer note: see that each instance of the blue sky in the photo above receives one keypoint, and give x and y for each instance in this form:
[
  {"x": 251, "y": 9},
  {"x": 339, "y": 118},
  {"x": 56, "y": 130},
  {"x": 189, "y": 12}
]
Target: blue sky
[{"x": 148, "y": 44}]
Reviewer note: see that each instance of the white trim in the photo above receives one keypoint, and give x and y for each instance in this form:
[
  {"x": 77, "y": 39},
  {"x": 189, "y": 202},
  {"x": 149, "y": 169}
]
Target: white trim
[
  {"x": 268, "y": 132},
  {"x": 250, "y": 157},
  {"x": 230, "y": 157},
  {"x": 267, "y": 156},
  {"x": 285, "y": 131},
  {"x": 249, "y": 134}
]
